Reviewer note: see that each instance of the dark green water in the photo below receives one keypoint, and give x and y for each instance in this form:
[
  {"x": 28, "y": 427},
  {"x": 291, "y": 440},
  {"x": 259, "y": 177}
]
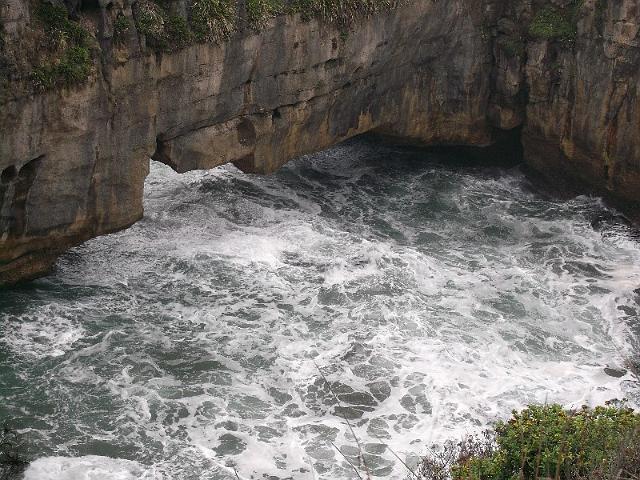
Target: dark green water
[{"x": 435, "y": 297}]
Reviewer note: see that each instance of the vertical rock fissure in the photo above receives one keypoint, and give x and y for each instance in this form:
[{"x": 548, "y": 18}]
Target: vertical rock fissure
[{"x": 16, "y": 188}]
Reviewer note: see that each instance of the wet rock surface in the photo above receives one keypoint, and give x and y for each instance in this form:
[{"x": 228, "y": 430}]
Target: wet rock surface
[{"x": 615, "y": 372}]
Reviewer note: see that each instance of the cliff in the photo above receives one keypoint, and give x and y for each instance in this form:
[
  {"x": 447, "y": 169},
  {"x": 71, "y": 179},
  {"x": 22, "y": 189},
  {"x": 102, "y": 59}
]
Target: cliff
[{"x": 258, "y": 85}]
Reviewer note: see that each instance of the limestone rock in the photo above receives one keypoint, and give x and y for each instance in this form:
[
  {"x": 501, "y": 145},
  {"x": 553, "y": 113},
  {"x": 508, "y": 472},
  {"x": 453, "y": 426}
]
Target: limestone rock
[{"x": 73, "y": 160}]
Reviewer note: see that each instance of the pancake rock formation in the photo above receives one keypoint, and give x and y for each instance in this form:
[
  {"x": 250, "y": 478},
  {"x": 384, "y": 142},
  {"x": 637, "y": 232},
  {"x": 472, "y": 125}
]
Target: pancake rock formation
[{"x": 91, "y": 90}]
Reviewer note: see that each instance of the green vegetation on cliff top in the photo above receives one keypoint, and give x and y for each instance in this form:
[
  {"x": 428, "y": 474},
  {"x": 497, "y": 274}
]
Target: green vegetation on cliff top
[
  {"x": 343, "y": 13},
  {"x": 68, "y": 58},
  {"x": 212, "y": 20},
  {"x": 215, "y": 20}
]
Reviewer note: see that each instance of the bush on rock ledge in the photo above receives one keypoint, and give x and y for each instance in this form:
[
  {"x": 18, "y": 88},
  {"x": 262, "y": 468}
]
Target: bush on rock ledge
[{"x": 546, "y": 442}]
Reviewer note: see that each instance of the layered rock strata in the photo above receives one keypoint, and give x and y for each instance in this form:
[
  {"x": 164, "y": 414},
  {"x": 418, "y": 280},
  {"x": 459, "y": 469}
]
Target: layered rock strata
[{"x": 73, "y": 160}]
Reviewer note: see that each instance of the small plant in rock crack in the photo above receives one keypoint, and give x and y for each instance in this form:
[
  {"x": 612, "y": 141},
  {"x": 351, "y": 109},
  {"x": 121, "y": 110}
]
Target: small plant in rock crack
[
  {"x": 12, "y": 462},
  {"x": 121, "y": 27}
]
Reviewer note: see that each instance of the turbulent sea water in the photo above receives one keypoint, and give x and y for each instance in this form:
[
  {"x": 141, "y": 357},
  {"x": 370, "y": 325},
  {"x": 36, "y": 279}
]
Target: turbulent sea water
[{"x": 433, "y": 296}]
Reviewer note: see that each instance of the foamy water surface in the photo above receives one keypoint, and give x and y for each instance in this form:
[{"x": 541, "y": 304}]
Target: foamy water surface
[{"x": 435, "y": 298}]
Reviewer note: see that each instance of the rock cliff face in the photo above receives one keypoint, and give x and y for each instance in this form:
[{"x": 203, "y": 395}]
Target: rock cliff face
[
  {"x": 73, "y": 160},
  {"x": 583, "y": 109}
]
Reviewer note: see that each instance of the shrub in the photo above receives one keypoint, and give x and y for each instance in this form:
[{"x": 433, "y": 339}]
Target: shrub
[
  {"x": 547, "y": 442},
  {"x": 149, "y": 19},
  {"x": 551, "y": 24},
  {"x": 439, "y": 463},
  {"x": 74, "y": 66},
  {"x": 341, "y": 12},
  {"x": 178, "y": 32},
  {"x": 120, "y": 27},
  {"x": 71, "y": 69},
  {"x": 68, "y": 56},
  {"x": 60, "y": 29},
  {"x": 212, "y": 20},
  {"x": 209, "y": 20},
  {"x": 258, "y": 11}
]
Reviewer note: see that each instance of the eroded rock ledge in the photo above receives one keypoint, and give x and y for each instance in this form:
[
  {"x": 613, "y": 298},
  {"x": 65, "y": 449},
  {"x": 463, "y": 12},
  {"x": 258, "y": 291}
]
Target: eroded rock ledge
[{"x": 73, "y": 161}]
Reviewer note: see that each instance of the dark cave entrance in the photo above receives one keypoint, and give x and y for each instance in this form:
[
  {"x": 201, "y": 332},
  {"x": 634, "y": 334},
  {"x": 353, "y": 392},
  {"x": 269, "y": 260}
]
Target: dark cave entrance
[{"x": 506, "y": 149}]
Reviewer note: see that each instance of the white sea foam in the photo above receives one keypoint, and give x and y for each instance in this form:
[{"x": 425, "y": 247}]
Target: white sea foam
[
  {"x": 435, "y": 300},
  {"x": 52, "y": 338},
  {"x": 90, "y": 467}
]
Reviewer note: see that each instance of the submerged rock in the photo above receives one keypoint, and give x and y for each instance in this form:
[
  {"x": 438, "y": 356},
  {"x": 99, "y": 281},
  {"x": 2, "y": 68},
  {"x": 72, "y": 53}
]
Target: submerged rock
[{"x": 615, "y": 372}]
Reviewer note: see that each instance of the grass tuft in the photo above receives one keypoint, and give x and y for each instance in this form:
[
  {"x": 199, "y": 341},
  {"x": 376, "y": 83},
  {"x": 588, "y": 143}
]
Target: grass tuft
[
  {"x": 121, "y": 26},
  {"x": 215, "y": 20},
  {"x": 343, "y": 13},
  {"x": 212, "y": 20},
  {"x": 68, "y": 58},
  {"x": 259, "y": 11}
]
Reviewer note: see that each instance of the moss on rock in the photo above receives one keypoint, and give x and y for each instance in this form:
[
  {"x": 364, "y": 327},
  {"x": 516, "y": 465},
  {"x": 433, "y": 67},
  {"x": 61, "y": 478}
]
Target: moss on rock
[
  {"x": 555, "y": 23},
  {"x": 67, "y": 60}
]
